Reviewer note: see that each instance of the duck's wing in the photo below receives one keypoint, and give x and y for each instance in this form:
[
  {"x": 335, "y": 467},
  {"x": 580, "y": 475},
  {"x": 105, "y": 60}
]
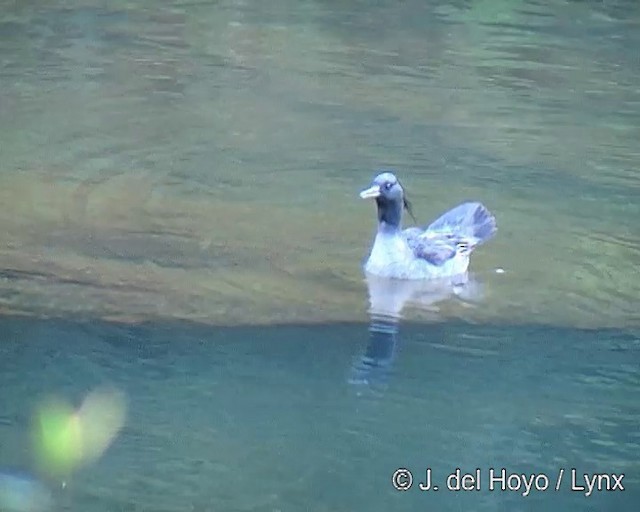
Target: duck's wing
[
  {"x": 470, "y": 223},
  {"x": 436, "y": 248},
  {"x": 459, "y": 230}
]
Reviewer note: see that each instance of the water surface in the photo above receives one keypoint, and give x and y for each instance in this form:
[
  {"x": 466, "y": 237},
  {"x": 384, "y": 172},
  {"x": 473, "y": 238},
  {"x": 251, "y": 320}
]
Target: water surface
[
  {"x": 210, "y": 153},
  {"x": 179, "y": 219},
  {"x": 262, "y": 418}
]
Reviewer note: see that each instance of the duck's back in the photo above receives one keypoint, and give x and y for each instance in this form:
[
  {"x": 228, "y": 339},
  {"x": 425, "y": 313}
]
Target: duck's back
[
  {"x": 470, "y": 221},
  {"x": 443, "y": 249}
]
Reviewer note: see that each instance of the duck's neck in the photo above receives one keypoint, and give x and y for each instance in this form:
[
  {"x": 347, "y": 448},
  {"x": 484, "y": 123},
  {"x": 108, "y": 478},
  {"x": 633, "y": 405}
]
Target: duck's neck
[{"x": 389, "y": 215}]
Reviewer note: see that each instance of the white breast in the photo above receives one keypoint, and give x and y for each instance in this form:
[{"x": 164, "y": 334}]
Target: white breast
[{"x": 390, "y": 255}]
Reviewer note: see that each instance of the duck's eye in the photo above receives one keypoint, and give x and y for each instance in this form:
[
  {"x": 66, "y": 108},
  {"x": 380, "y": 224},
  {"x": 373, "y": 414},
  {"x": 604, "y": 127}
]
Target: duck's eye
[{"x": 388, "y": 185}]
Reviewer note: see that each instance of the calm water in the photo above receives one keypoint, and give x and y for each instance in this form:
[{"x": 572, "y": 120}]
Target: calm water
[{"x": 179, "y": 219}]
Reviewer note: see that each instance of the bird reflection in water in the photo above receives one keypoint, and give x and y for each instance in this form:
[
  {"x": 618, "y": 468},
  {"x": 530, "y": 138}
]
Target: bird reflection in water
[{"x": 387, "y": 299}]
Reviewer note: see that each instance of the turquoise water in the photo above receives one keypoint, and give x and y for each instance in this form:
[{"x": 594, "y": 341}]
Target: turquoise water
[
  {"x": 264, "y": 418},
  {"x": 179, "y": 220}
]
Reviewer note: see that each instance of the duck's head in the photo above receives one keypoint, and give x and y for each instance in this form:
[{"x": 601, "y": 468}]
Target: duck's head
[{"x": 390, "y": 198}]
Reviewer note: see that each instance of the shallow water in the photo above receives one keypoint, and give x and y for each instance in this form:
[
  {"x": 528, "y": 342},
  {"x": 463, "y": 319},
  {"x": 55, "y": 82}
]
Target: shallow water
[
  {"x": 179, "y": 218},
  {"x": 211, "y": 153}
]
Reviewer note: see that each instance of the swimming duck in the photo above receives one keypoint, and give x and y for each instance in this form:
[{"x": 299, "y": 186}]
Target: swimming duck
[{"x": 441, "y": 250}]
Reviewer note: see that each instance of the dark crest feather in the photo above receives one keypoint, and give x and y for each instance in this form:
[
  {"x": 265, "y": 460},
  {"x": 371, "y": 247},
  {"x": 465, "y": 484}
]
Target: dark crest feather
[{"x": 407, "y": 204}]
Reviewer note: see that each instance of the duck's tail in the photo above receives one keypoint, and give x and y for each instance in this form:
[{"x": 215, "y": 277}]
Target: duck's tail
[{"x": 469, "y": 221}]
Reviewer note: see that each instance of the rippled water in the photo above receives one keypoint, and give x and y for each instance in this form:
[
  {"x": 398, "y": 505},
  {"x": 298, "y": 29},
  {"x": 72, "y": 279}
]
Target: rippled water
[
  {"x": 265, "y": 419},
  {"x": 178, "y": 189},
  {"x": 210, "y": 153}
]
